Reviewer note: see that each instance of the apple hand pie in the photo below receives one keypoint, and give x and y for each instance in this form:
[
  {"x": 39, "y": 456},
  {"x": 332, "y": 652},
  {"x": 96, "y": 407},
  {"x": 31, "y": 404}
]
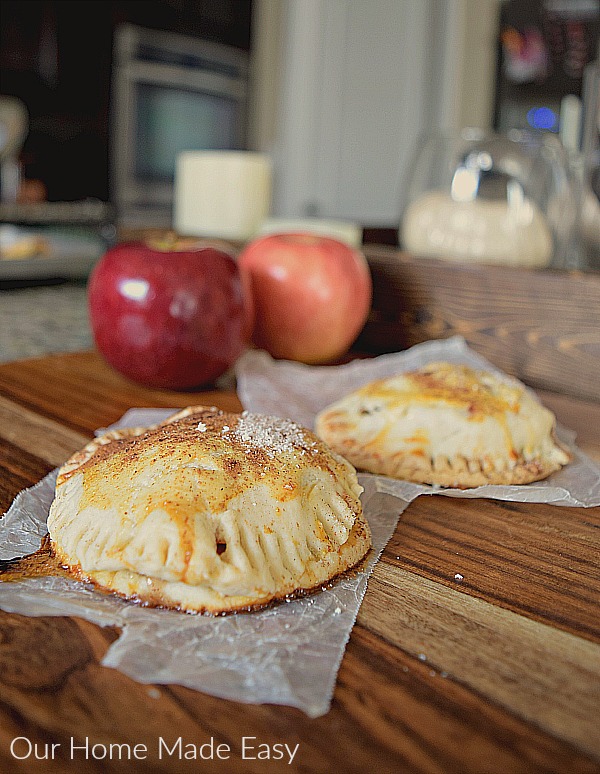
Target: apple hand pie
[
  {"x": 445, "y": 424},
  {"x": 208, "y": 512}
]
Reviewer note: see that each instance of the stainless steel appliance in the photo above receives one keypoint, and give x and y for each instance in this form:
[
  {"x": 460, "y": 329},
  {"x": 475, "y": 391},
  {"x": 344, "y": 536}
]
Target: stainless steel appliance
[{"x": 170, "y": 93}]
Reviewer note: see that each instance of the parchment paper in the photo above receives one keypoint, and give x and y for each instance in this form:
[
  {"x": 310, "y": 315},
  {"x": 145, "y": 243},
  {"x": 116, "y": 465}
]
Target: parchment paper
[{"x": 288, "y": 654}]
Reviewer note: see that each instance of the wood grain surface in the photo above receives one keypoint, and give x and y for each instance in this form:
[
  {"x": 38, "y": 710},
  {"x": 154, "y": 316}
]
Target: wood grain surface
[
  {"x": 541, "y": 326},
  {"x": 497, "y": 670}
]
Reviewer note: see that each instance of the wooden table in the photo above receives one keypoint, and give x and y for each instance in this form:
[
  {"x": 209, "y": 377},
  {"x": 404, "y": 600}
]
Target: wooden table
[{"x": 497, "y": 672}]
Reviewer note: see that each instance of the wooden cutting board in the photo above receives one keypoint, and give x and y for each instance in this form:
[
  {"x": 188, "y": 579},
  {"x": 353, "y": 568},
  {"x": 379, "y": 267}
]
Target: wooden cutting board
[{"x": 477, "y": 646}]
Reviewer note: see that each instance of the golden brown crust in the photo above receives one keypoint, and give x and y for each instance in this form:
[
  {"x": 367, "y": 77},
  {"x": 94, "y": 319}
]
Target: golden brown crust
[
  {"x": 209, "y": 511},
  {"x": 445, "y": 425}
]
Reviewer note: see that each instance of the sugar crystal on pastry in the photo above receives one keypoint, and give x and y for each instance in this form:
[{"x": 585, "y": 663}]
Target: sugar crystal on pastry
[{"x": 209, "y": 511}]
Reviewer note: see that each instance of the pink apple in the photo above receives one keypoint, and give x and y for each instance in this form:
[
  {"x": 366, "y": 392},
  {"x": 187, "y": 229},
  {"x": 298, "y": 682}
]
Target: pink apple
[
  {"x": 176, "y": 318},
  {"x": 311, "y": 295}
]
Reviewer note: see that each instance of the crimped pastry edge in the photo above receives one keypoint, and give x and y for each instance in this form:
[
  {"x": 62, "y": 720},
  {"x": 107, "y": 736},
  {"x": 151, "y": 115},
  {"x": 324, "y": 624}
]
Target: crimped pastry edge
[
  {"x": 464, "y": 474},
  {"x": 119, "y": 583}
]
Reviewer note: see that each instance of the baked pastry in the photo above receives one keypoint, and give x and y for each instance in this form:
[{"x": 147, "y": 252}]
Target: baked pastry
[
  {"x": 445, "y": 424},
  {"x": 209, "y": 512}
]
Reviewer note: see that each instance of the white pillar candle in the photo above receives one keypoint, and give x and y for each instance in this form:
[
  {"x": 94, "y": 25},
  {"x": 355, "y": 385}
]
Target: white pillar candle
[{"x": 221, "y": 194}]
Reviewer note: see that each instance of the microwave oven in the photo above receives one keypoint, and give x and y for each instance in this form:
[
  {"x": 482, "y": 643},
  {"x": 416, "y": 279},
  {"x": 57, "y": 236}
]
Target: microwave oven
[{"x": 171, "y": 93}]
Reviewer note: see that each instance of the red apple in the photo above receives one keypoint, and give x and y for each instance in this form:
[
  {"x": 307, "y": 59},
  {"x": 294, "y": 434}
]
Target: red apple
[
  {"x": 172, "y": 316},
  {"x": 311, "y": 295}
]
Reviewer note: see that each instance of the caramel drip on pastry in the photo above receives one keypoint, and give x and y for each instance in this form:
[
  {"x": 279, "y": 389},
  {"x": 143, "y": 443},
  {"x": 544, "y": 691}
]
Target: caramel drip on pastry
[{"x": 41, "y": 564}]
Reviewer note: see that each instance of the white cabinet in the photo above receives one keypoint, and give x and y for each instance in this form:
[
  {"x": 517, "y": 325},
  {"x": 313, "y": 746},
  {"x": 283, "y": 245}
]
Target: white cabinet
[{"x": 347, "y": 88}]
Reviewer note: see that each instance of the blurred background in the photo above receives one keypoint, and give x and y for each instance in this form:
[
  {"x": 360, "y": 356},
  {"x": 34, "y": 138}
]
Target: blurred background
[
  {"x": 336, "y": 91},
  {"x": 97, "y": 99}
]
